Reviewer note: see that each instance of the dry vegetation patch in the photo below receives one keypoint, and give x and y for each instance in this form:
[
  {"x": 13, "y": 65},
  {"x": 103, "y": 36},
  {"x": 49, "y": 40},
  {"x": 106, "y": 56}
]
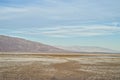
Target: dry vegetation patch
[{"x": 60, "y": 67}]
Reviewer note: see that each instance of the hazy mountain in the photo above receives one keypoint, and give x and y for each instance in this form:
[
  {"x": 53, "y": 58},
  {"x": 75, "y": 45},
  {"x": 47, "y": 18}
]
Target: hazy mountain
[
  {"x": 87, "y": 49},
  {"x": 13, "y": 44}
]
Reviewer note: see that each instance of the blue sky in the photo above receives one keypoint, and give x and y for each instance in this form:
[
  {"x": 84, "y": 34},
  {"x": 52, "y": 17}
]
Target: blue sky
[{"x": 63, "y": 22}]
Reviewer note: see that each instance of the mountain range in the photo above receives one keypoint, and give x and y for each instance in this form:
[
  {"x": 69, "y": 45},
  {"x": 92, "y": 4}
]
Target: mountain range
[
  {"x": 14, "y": 44},
  {"x": 88, "y": 49}
]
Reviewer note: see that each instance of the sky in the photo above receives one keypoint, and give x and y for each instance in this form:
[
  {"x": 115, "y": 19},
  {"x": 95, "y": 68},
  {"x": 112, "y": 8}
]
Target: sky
[{"x": 63, "y": 22}]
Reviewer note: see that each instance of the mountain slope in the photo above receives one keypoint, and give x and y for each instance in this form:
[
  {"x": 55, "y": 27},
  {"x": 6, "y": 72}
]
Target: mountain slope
[{"x": 13, "y": 44}]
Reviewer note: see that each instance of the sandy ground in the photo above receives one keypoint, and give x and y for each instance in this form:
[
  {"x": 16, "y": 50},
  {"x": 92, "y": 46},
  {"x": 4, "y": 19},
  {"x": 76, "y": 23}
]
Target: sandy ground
[{"x": 59, "y": 66}]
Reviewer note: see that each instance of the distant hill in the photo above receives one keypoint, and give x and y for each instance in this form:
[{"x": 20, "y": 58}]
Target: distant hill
[
  {"x": 88, "y": 49},
  {"x": 13, "y": 44}
]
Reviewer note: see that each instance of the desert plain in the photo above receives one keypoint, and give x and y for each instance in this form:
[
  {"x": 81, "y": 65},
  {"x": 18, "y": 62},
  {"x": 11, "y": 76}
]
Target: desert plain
[{"x": 59, "y": 66}]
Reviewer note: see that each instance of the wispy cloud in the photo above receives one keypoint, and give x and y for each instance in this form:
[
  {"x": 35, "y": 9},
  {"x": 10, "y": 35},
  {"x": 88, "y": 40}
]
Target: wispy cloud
[
  {"x": 73, "y": 31},
  {"x": 11, "y": 12},
  {"x": 60, "y": 10}
]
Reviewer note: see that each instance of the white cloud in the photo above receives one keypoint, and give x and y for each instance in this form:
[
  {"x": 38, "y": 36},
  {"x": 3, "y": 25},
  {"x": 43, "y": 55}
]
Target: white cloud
[
  {"x": 95, "y": 30},
  {"x": 62, "y": 10},
  {"x": 73, "y": 31},
  {"x": 11, "y": 12}
]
